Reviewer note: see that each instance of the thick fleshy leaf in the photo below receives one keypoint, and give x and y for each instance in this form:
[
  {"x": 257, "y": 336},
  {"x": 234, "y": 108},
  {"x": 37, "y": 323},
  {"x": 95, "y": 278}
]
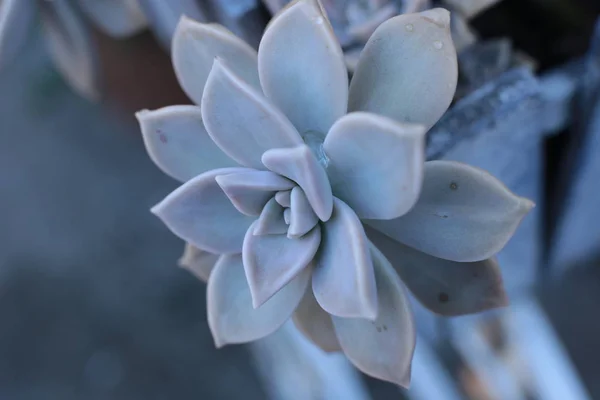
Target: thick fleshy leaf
[
  {"x": 195, "y": 47},
  {"x": 271, "y": 221},
  {"x": 178, "y": 143},
  {"x": 16, "y": 18},
  {"x": 315, "y": 323},
  {"x": 375, "y": 164},
  {"x": 198, "y": 262},
  {"x": 240, "y": 119},
  {"x": 201, "y": 214},
  {"x": 300, "y": 165},
  {"x": 164, "y": 16},
  {"x": 271, "y": 261},
  {"x": 407, "y": 70},
  {"x": 301, "y": 67},
  {"x": 250, "y": 190},
  {"x": 284, "y": 198},
  {"x": 382, "y": 348},
  {"x": 447, "y": 288},
  {"x": 343, "y": 279},
  {"x": 71, "y": 47},
  {"x": 117, "y": 18},
  {"x": 463, "y": 214},
  {"x": 231, "y": 317},
  {"x": 302, "y": 216}
]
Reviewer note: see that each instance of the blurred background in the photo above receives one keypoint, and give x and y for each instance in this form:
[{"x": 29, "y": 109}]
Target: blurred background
[{"x": 94, "y": 306}]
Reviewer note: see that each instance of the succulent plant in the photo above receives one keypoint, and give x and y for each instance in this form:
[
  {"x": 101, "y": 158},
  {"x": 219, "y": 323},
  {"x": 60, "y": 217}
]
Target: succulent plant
[
  {"x": 68, "y": 38},
  {"x": 308, "y": 197}
]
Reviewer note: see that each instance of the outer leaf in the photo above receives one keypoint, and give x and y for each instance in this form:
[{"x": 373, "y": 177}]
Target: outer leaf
[
  {"x": 201, "y": 214},
  {"x": 407, "y": 70},
  {"x": 447, "y": 288},
  {"x": 240, "y": 119},
  {"x": 316, "y": 324},
  {"x": 271, "y": 261},
  {"x": 375, "y": 164},
  {"x": 195, "y": 47},
  {"x": 231, "y": 317},
  {"x": 198, "y": 262},
  {"x": 382, "y": 348},
  {"x": 178, "y": 143},
  {"x": 343, "y": 280},
  {"x": 301, "y": 67},
  {"x": 464, "y": 214}
]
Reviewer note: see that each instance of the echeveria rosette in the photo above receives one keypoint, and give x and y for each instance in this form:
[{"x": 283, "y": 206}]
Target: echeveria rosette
[
  {"x": 283, "y": 162},
  {"x": 68, "y": 36}
]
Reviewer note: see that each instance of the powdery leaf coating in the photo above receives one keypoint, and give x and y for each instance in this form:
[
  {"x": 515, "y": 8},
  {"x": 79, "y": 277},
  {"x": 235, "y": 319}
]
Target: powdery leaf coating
[
  {"x": 271, "y": 220},
  {"x": 375, "y": 164},
  {"x": 445, "y": 287},
  {"x": 463, "y": 214},
  {"x": 408, "y": 69},
  {"x": 301, "y": 67},
  {"x": 195, "y": 47},
  {"x": 300, "y": 165},
  {"x": 178, "y": 143},
  {"x": 250, "y": 190},
  {"x": 258, "y": 125},
  {"x": 271, "y": 261},
  {"x": 201, "y": 214},
  {"x": 382, "y": 348},
  {"x": 302, "y": 216},
  {"x": 343, "y": 280},
  {"x": 231, "y": 316},
  {"x": 284, "y": 198}
]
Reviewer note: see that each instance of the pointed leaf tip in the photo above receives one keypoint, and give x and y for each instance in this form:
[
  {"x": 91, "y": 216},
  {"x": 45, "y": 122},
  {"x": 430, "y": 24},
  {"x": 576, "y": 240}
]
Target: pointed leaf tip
[
  {"x": 177, "y": 142},
  {"x": 231, "y": 317},
  {"x": 258, "y": 125},
  {"x": 464, "y": 214},
  {"x": 438, "y": 16},
  {"x": 194, "y": 48},
  {"x": 272, "y": 261},
  {"x": 382, "y": 348}
]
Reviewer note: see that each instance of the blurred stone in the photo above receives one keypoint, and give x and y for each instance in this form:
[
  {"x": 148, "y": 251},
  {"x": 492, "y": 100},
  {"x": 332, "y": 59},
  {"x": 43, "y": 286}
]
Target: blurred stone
[
  {"x": 577, "y": 237},
  {"x": 470, "y": 8},
  {"x": 483, "y": 61},
  {"x": 462, "y": 34}
]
